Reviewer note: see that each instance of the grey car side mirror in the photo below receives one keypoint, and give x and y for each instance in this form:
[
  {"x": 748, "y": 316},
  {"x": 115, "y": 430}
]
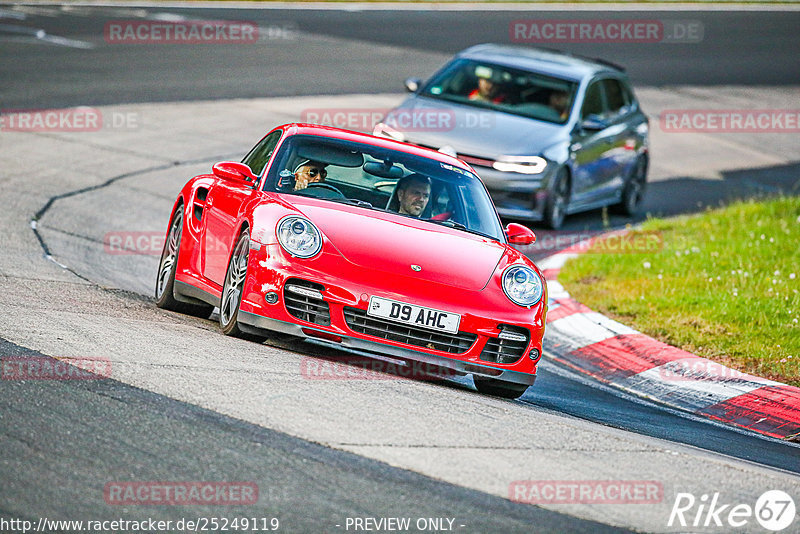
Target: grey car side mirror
[
  {"x": 593, "y": 123},
  {"x": 413, "y": 84}
]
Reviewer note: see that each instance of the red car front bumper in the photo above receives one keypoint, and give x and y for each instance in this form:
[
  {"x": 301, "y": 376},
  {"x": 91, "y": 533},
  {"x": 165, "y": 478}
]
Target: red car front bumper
[{"x": 333, "y": 309}]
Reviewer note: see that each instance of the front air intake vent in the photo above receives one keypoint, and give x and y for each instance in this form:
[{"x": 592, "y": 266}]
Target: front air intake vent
[
  {"x": 303, "y": 300},
  {"x": 508, "y": 347}
]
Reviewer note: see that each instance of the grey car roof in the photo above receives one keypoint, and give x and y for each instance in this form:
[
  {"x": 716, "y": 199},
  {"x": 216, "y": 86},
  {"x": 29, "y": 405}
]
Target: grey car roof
[{"x": 538, "y": 60}]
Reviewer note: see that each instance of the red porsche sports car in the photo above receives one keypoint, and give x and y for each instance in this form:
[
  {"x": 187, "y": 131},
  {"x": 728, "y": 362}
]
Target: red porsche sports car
[{"x": 359, "y": 242}]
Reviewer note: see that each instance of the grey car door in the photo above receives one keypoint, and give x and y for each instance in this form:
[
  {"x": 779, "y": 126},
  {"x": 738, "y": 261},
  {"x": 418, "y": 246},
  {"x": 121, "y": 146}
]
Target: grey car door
[
  {"x": 592, "y": 147},
  {"x": 621, "y": 137}
]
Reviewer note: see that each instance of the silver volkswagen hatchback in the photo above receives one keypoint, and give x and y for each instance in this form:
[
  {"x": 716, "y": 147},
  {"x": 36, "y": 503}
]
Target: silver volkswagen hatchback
[{"x": 550, "y": 134}]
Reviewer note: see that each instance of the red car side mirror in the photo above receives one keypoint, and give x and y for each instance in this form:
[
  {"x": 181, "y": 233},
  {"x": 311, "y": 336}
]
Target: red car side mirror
[
  {"x": 233, "y": 170},
  {"x": 520, "y": 235}
]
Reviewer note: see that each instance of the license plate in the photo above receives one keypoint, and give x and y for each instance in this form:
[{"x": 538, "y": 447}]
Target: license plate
[{"x": 413, "y": 315}]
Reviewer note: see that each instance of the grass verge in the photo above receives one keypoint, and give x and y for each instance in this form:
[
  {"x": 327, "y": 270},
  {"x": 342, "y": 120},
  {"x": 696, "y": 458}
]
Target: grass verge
[{"x": 724, "y": 284}]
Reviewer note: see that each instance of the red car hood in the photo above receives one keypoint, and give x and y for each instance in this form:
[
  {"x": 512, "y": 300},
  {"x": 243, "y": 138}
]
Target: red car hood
[{"x": 392, "y": 244}]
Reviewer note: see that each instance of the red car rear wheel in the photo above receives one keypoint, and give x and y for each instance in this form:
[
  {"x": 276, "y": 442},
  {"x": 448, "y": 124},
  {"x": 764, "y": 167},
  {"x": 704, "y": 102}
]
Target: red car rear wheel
[{"x": 165, "y": 280}]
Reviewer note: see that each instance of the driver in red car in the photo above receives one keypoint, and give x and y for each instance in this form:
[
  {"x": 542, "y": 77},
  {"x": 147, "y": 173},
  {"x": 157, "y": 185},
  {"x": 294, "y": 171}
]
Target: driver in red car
[
  {"x": 308, "y": 172},
  {"x": 412, "y": 194}
]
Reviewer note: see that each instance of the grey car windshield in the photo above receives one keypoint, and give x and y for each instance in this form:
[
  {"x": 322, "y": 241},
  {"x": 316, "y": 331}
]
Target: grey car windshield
[
  {"x": 379, "y": 178},
  {"x": 505, "y": 89}
]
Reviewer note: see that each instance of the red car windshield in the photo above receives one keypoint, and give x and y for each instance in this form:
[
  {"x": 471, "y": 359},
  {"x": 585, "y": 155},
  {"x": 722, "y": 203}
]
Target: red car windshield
[{"x": 389, "y": 180}]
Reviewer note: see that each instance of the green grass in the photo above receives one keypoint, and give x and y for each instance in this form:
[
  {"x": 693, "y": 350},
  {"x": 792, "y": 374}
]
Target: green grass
[{"x": 725, "y": 285}]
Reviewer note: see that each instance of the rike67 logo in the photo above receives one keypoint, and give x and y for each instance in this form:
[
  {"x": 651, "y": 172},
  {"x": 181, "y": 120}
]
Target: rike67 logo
[{"x": 774, "y": 510}]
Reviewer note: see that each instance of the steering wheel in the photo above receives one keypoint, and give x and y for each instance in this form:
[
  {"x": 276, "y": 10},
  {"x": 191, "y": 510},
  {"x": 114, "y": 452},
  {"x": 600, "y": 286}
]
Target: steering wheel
[{"x": 328, "y": 187}]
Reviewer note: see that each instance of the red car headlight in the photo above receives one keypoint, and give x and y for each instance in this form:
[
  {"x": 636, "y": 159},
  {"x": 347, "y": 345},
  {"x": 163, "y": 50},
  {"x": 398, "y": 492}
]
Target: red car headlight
[
  {"x": 522, "y": 285},
  {"x": 299, "y": 237}
]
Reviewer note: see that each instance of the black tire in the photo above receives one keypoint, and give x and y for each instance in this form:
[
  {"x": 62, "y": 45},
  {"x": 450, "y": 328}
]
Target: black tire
[
  {"x": 499, "y": 388},
  {"x": 633, "y": 191},
  {"x": 231, "y": 297},
  {"x": 165, "y": 278},
  {"x": 555, "y": 208}
]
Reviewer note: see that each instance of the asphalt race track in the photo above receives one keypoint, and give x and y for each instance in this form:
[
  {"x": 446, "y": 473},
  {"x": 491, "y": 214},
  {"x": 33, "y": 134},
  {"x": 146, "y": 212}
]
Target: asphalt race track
[
  {"x": 306, "y": 52},
  {"x": 184, "y": 403}
]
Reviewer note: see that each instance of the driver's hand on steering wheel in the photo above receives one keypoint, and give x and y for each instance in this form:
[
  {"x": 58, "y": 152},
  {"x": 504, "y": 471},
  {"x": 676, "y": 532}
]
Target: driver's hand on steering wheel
[{"x": 309, "y": 173}]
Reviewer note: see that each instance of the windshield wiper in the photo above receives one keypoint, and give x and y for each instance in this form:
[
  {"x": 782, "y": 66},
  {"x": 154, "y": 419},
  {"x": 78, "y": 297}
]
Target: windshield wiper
[
  {"x": 462, "y": 100},
  {"x": 451, "y": 224},
  {"x": 352, "y": 202},
  {"x": 459, "y": 226}
]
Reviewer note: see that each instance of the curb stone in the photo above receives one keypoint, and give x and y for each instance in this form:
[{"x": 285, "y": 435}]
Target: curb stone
[{"x": 619, "y": 356}]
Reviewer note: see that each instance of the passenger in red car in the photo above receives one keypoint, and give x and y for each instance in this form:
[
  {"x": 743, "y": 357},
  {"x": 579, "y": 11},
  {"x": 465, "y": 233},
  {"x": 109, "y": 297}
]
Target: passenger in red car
[
  {"x": 308, "y": 172},
  {"x": 413, "y": 194}
]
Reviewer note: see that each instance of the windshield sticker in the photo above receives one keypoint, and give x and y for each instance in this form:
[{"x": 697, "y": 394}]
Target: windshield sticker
[{"x": 454, "y": 169}]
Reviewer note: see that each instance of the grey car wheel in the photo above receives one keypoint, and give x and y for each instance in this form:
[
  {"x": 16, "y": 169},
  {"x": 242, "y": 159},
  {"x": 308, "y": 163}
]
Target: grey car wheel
[
  {"x": 556, "y": 207},
  {"x": 633, "y": 191}
]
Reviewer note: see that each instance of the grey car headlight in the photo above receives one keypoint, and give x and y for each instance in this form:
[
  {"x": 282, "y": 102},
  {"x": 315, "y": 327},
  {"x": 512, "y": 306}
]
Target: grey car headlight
[
  {"x": 522, "y": 285},
  {"x": 521, "y": 164},
  {"x": 299, "y": 237}
]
